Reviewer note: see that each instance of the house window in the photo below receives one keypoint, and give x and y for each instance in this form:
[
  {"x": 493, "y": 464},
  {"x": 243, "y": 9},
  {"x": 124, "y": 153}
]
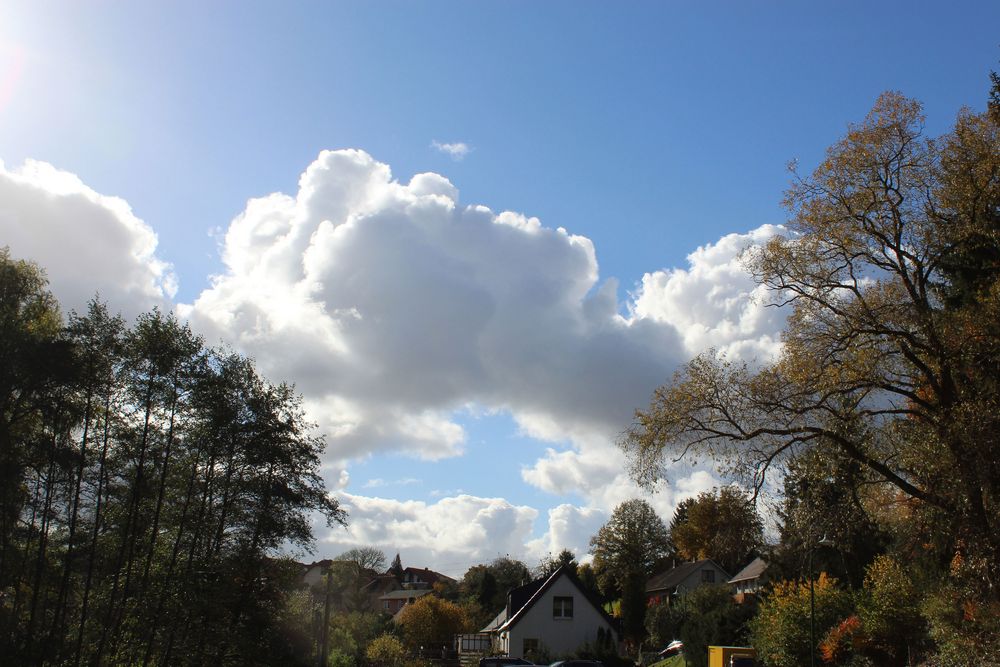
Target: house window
[
  {"x": 562, "y": 607},
  {"x": 708, "y": 576},
  {"x": 530, "y": 646}
]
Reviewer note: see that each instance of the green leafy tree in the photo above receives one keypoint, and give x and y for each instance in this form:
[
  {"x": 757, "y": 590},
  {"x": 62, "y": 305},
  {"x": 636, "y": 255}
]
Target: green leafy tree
[
  {"x": 550, "y": 563},
  {"x": 149, "y": 486},
  {"x": 707, "y": 616},
  {"x": 627, "y": 550},
  {"x": 509, "y": 573},
  {"x": 588, "y": 579},
  {"x": 30, "y": 344},
  {"x": 712, "y": 618},
  {"x": 488, "y": 585},
  {"x": 889, "y": 610},
  {"x": 721, "y": 524},
  {"x": 663, "y": 624},
  {"x": 480, "y": 586},
  {"x": 633, "y": 540}
]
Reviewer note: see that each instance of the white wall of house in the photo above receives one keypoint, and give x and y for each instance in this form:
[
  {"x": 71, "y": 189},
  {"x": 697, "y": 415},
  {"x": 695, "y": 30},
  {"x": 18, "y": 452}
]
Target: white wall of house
[{"x": 559, "y": 634}]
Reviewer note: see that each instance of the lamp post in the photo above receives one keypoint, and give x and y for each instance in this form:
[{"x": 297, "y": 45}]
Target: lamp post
[{"x": 812, "y": 602}]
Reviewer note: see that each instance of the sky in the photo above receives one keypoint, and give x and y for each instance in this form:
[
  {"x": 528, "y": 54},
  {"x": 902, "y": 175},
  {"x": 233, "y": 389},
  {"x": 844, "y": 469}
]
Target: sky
[{"x": 475, "y": 235}]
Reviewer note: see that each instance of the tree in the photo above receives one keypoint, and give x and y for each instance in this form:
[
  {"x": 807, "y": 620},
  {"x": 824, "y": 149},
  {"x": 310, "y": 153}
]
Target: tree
[
  {"x": 627, "y": 550},
  {"x": 487, "y": 585},
  {"x": 707, "y": 616},
  {"x": 829, "y": 496},
  {"x": 663, "y": 624},
  {"x": 149, "y": 485},
  {"x": 480, "y": 585},
  {"x": 781, "y": 629},
  {"x": 30, "y": 324},
  {"x": 588, "y": 579},
  {"x": 633, "y": 540},
  {"x": 366, "y": 558},
  {"x": 891, "y": 348},
  {"x": 888, "y": 608},
  {"x": 721, "y": 524},
  {"x": 508, "y": 573},
  {"x": 396, "y": 569},
  {"x": 711, "y": 618},
  {"x": 994, "y": 101},
  {"x": 431, "y": 622},
  {"x": 551, "y": 563}
]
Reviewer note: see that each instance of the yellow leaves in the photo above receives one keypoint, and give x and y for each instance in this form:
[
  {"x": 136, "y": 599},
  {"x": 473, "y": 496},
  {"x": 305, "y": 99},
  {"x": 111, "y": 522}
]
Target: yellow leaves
[
  {"x": 970, "y": 609},
  {"x": 957, "y": 564},
  {"x": 385, "y": 650},
  {"x": 429, "y": 619}
]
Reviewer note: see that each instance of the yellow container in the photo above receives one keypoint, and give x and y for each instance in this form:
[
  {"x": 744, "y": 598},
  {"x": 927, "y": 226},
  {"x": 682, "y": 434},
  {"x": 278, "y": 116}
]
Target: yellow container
[{"x": 730, "y": 656}]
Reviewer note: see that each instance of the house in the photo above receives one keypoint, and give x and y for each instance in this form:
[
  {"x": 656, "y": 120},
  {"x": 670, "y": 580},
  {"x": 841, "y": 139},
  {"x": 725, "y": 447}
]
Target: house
[
  {"x": 393, "y": 601},
  {"x": 553, "y": 613},
  {"x": 378, "y": 586},
  {"x": 314, "y": 573},
  {"x": 684, "y": 578},
  {"x": 414, "y": 577},
  {"x": 749, "y": 580}
]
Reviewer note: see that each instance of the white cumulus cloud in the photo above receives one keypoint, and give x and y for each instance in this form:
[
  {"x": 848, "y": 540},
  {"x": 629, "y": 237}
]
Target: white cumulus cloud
[
  {"x": 391, "y": 305},
  {"x": 714, "y": 303},
  {"x": 449, "y": 535},
  {"x": 85, "y": 241}
]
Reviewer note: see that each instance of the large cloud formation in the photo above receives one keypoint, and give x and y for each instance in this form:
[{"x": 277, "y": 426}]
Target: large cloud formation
[
  {"x": 395, "y": 309},
  {"x": 392, "y": 306},
  {"x": 85, "y": 241}
]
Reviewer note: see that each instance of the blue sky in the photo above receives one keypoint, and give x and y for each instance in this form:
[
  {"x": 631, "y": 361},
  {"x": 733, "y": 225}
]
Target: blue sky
[{"x": 649, "y": 128}]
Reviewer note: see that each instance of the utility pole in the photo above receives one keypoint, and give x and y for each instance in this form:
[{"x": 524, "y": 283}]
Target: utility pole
[{"x": 325, "y": 630}]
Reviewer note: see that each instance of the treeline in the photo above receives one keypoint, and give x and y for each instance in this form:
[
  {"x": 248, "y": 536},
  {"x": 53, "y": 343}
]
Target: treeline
[{"x": 147, "y": 483}]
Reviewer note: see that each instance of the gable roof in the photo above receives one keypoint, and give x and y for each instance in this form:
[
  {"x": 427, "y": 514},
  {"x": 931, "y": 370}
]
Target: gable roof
[
  {"x": 674, "y": 576},
  {"x": 425, "y": 575},
  {"x": 751, "y": 571},
  {"x": 540, "y": 586},
  {"x": 497, "y": 621},
  {"x": 520, "y": 596}
]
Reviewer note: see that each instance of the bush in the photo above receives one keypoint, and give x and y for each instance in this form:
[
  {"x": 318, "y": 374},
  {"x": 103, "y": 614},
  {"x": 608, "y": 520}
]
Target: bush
[
  {"x": 339, "y": 659},
  {"x": 386, "y": 651}
]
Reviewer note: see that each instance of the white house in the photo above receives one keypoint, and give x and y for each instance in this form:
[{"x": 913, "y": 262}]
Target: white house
[
  {"x": 551, "y": 613},
  {"x": 750, "y": 579}
]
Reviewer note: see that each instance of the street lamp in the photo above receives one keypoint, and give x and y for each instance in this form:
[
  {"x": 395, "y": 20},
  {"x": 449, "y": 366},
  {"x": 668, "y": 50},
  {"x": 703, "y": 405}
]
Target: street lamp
[{"x": 812, "y": 601}]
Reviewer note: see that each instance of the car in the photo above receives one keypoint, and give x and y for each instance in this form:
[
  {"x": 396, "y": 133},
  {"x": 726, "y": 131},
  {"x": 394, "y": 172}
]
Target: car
[
  {"x": 673, "y": 648},
  {"x": 502, "y": 661},
  {"x": 577, "y": 663}
]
